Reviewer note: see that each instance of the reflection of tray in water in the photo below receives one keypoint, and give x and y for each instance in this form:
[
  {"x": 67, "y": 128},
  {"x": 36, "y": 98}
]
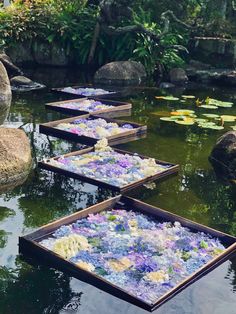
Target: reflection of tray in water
[
  {"x": 114, "y": 210},
  {"x": 168, "y": 169},
  {"x": 114, "y": 109},
  {"x": 51, "y": 128},
  {"x": 86, "y": 91}
]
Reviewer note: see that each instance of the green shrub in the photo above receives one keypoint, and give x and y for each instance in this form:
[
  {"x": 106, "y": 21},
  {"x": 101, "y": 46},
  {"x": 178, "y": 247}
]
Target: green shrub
[{"x": 71, "y": 25}]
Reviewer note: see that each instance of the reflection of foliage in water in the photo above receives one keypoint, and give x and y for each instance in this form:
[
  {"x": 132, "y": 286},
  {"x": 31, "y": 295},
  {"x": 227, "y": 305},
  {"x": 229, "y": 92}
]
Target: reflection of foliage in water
[
  {"x": 52, "y": 289},
  {"x": 44, "y": 197},
  {"x": 4, "y": 214}
]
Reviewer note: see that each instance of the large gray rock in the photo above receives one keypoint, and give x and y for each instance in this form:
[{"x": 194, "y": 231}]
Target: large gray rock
[
  {"x": 5, "y": 87},
  {"x": 223, "y": 156},
  {"x": 178, "y": 76},
  {"x": 15, "y": 156},
  {"x": 11, "y": 68},
  {"x": 120, "y": 73}
]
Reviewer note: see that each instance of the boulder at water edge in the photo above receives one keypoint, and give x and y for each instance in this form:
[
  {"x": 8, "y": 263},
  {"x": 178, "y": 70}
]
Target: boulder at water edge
[
  {"x": 22, "y": 83},
  {"x": 5, "y": 87},
  {"x": 223, "y": 156},
  {"x": 4, "y": 109},
  {"x": 120, "y": 73},
  {"x": 15, "y": 156},
  {"x": 178, "y": 76}
]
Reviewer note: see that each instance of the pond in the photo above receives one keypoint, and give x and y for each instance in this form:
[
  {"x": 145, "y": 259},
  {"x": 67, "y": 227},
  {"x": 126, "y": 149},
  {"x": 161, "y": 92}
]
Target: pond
[{"x": 195, "y": 193}]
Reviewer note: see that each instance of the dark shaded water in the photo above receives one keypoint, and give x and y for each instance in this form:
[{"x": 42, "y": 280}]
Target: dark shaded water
[{"x": 195, "y": 194}]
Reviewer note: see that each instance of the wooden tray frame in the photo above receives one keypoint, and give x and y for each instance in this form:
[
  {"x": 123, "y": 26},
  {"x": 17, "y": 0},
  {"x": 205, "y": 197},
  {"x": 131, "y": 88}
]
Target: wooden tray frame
[
  {"x": 120, "y": 108},
  {"x": 170, "y": 171},
  {"x": 29, "y": 246},
  {"x": 111, "y": 94},
  {"x": 49, "y": 128}
]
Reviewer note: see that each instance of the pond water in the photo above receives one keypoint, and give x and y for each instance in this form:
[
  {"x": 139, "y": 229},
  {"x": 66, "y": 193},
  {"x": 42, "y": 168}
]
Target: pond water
[{"x": 195, "y": 193}]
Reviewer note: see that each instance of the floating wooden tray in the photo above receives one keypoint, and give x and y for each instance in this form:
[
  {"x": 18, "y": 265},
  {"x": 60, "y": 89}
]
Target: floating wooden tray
[
  {"x": 173, "y": 169},
  {"x": 120, "y": 108},
  {"x": 137, "y": 132},
  {"x": 111, "y": 93},
  {"x": 29, "y": 246}
]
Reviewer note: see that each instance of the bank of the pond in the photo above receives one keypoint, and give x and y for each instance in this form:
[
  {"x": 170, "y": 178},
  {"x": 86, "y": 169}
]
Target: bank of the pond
[{"x": 195, "y": 194}]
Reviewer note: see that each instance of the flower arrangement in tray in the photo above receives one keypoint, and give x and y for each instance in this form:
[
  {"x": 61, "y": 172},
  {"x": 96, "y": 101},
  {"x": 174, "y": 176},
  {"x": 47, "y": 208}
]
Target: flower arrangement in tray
[
  {"x": 86, "y": 91},
  {"x": 134, "y": 251},
  {"x": 107, "y": 165},
  {"x": 88, "y": 105},
  {"x": 95, "y": 128}
]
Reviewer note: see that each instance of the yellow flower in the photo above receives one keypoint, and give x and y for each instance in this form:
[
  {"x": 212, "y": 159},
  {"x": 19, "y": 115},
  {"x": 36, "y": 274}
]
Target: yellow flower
[
  {"x": 133, "y": 224},
  {"x": 158, "y": 276},
  {"x": 81, "y": 162},
  {"x": 69, "y": 246},
  {"x": 102, "y": 146},
  {"x": 85, "y": 266},
  {"x": 120, "y": 265}
]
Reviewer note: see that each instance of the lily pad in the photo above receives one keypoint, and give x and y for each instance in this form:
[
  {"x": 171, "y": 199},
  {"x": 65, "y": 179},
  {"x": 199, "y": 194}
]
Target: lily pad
[
  {"x": 167, "y": 119},
  {"x": 206, "y": 124},
  {"x": 211, "y": 115},
  {"x": 209, "y": 107},
  {"x": 170, "y": 98},
  {"x": 227, "y": 118},
  {"x": 185, "y": 122},
  {"x": 200, "y": 120},
  {"x": 188, "y": 96},
  {"x": 185, "y": 112},
  {"x": 219, "y": 103},
  {"x": 213, "y": 127}
]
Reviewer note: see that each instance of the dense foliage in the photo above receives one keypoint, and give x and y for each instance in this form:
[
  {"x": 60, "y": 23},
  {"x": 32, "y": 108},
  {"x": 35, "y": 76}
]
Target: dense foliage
[{"x": 71, "y": 24}]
